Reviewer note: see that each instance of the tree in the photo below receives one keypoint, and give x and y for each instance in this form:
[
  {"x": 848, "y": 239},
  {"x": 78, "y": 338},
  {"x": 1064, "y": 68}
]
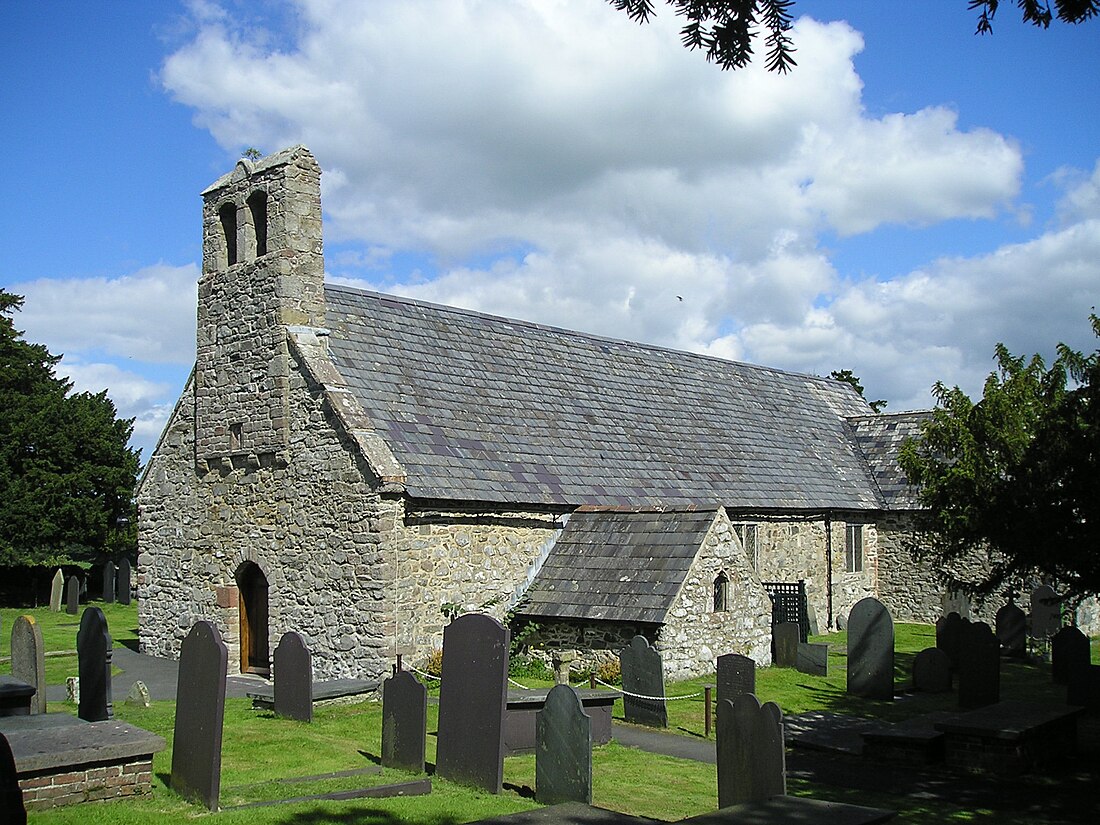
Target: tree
[
  {"x": 849, "y": 377},
  {"x": 727, "y": 28},
  {"x": 66, "y": 474},
  {"x": 1014, "y": 479}
]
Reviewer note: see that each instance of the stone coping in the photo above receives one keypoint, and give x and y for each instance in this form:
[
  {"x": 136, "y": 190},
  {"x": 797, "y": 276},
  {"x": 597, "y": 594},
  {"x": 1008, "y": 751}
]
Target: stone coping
[
  {"x": 1010, "y": 720},
  {"x": 567, "y": 813},
  {"x": 537, "y": 697},
  {"x": 15, "y": 688},
  {"x": 322, "y": 691},
  {"x": 919, "y": 729},
  {"x": 793, "y": 809},
  {"x": 44, "y": 742}
]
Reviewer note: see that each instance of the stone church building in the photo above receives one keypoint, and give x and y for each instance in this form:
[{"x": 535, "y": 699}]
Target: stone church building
[{"x": 357, "y": 467}]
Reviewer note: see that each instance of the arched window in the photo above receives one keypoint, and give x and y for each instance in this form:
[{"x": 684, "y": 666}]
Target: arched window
[
  {"x": 721, "y": 593},
  {"x": 228, "y": 215},
  {"x": 257, "y": 204}
]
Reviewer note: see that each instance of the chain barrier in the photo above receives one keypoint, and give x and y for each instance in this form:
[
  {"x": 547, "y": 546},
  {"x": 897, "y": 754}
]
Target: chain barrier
[
  {"x": 422, "y": 673},
  {"x": 650, "y": 698}
]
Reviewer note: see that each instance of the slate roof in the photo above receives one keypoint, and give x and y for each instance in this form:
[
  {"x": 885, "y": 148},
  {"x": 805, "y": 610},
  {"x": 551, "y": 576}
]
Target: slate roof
[
  {"x": 617, "y": 566},
  {"x": 880, "y": 438},
  {"x": 481, "y": 408}
]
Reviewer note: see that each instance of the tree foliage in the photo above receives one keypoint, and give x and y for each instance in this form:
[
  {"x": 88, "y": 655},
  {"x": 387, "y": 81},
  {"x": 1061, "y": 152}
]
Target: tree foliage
[
  {"x": 726, "y": 29},
  {"x": 66, "y": 473},
  {"x": 849, "y": 377},
  {"x": 1014, "y": 476}
]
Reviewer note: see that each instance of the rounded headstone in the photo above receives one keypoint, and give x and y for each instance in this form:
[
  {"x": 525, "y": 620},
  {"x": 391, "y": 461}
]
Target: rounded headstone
[{"x": 932, "y": 671}]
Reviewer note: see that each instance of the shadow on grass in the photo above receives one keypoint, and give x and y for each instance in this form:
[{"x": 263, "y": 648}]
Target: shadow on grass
[{"x": 360, "y": 816}]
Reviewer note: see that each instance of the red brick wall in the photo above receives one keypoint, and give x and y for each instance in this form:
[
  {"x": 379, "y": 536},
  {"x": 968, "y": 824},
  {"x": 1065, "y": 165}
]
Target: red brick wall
[{"x": 87, "y": 783}]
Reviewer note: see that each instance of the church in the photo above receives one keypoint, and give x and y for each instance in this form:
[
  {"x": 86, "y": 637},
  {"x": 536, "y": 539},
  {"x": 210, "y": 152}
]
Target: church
[{"x": 361, "y": 467}]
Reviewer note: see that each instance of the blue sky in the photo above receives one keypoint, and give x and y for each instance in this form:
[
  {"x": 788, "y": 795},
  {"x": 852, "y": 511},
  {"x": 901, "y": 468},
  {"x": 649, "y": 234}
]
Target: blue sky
[{"x": 908, "y": 196}]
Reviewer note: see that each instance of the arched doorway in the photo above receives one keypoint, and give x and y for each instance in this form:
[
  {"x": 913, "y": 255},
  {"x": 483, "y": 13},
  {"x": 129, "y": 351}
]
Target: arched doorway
[{"x": 252, "y": 586}]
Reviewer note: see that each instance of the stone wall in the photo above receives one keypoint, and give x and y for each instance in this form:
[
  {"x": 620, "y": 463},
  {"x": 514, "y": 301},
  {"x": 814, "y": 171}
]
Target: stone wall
[{"x": 907, "y": 587}]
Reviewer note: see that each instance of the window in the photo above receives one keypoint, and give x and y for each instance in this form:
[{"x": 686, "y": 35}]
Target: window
[
  {"x": 721, "y": 593},
  {"x": 257, "y": 205},
  {"x": 750, "y": 540},
  {"x": 236, "y": 433},
  {"x": 853, "y": 548},
  {"x": 228, "y": 216}
]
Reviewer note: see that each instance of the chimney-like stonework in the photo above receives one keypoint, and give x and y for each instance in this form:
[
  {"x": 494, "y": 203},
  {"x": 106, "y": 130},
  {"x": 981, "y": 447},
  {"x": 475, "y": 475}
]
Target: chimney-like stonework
[{"x": 262, "y": 270}]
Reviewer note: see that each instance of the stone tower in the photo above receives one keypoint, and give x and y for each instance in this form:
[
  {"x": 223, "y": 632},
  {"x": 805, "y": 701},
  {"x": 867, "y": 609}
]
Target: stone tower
[{"x": 262, "y": 271}]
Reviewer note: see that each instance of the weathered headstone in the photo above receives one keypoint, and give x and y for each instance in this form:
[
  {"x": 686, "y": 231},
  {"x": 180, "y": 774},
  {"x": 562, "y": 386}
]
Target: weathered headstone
[
  {"x": 473, "y": 698},
  {"x": 109, "y": 582},
  {"x": 949, "y": 636},
  {"x": 404, "y": 722},
  {"x": 28, "y": 659},
  {"x": 12, "y": 809},
  {"x": 563, "y": 749},
  {"x": 57, "y": 586},
  {"x": 1046, "y": 612},
  {"x": 749, "y": 751},
  {"x": 1083, "y": 687},
  {"x": 72, "y": 596},
  {"x": 736, "y": 675},
  {"x": 643, "y": 684},
  {"x": 1069, "y": 650},
  {"x": 200, "y": 711},
  {"x": 138, "y": 695},
  {"x": 932, "y": 671},
  {"x": 293, "y": 678},
  {"x": 785, "y": 639},
  {"x": 979, "y": 667},
  {"x": 812, "y": 659},
  {"x": 1011, "y": 624},
  {"x": 124, "y": 572},
  {"x": 956, "y": 602},
  {"x": 93, "y": 652},
  {"x": 870, "y": 650}
]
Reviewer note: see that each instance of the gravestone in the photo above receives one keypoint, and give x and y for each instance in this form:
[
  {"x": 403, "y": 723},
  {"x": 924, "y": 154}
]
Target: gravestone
[
  {"x": 473, "y": 698},
  {"x": 28, "y": 659},
  {"x": 109, "y": 582},
  {"x": 979, "y": 667},
  {"x": 93, "y": 652},
  {"x": 643, "y": 675},
  {"x": 1011, "y": 625},
  {"x": 1083, "y": 687},
  {"x": 1069, "y": 650},
  {"x": 785, "y": 639},
  {"x": 563, "y": 749},
  {"x": 1046, "y": 612},
  {"x": 812, "y": 659},
  {"x": 72, "y": 596},
  {"x": 870, "y": 650},
  {"x": 124, "y": 592},
  {"x": 293, "y": 678},
  {"x": 138, "y": 695},
  {"x": 404, "y": 722},
  {"x": 200, "y": 711},
  {"x": 949, "y": 636},
  {"x": 956, "y": 602},
  {"x": 736, "y": 675},
  {"x": 57, "y": 586},
  {"x": 11, "y": 795},
  {"x": 932, "y": 671},
  {"x": 749, "y": 751}
]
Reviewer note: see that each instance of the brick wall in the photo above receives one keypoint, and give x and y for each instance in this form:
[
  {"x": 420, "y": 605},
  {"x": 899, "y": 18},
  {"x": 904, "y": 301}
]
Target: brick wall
[{"x": 87, "y": 783}]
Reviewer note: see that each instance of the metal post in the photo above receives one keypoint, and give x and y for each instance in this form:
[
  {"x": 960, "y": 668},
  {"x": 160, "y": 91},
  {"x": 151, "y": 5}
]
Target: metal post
[
  {"x": 706, "y": 711},
  {"x": 592, "y": 681}
]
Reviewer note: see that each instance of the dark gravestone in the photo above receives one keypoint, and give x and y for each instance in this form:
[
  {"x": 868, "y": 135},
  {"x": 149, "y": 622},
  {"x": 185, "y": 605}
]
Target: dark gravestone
[
  {"x": 72, "y": 596},
  {"x": 979, "y": 667},
  {"x": 1012, "y": 630},
  {"x": 870, "y": 650},
  {"x": 1046, "y": 612},
  {"x": 1069, "y": 650},
  {"x": 643, "y": 676},
  {"x": 1083, "y": 688},
  {"x": 124, "y": 592},
  {"x": 200, "y": 711},
  {"x": 749, "y": 750},
  {"x": 109, "y": 582},
  {"x": 812, "y": 659},
  {"x": 57, "y": 586},
  {"x": 785, "y": 639},
  {"x": 473, "y": 698},
  {"x": 932, "y": 671},
  {"x": 563, "y": 749},
  {"x": 11, "y": 796},
  {"x": 404, "y": 722},
  {"x": 93, "y": 652},
  {"x": 949, "y": 636},
  {"x": 293, "y": 678},
  {"x": 736, "y": 675},
  {"x": 28, "y": 659}
]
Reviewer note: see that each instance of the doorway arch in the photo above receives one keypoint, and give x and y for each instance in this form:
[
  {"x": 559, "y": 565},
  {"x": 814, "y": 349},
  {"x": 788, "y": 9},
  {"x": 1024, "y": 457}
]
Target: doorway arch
[{"x": 252, "y": 588}]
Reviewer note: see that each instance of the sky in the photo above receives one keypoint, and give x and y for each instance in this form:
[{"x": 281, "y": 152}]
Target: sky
[{"x": 907, "y": 197}]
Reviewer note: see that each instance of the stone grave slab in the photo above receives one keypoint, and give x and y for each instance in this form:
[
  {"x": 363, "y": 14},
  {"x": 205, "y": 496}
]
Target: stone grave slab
[
  {"x": 473, "y": 696},
  {"x": 404, "y": 722},
  {"x": 749, "y": 751},
  {"x": 57, "y": 587},
  {"x": 563, "y": 749},
  {"x": 643, "y": 675},
  {"x": 11, "y": 796},
  {"x": 525, "y": 705},
  {"x": 293, "y": 678},
  {"x": 72, "y": 596},
  {"x": 979, "y": 667},
  {"x": 1011, "y": 737},
  {"x": 200, "y": 712},
  {"x": 792, "y": 810},
  {"x": 932, "y": 671},
  {"x": 125, "y": 593},
  {"x": 28, "y": 659},
  {"x": 1011, "y": 624},
  {"x": 949, "y": 636},
  {"x": 93, "y": 653},
  {"x": 870, "y": 650},
  {"x": 109, "y": 572},
  {"x": 736, "y": 675},
  {"x": 15, "y": 697},
  {"x": 1046, "y": 612},
  {"x": 785, "y": 639},
  {"x": 812, "y": 659},
  {"x": 1069, "y": 650},
  {"x": 1083, "y": 687}
]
